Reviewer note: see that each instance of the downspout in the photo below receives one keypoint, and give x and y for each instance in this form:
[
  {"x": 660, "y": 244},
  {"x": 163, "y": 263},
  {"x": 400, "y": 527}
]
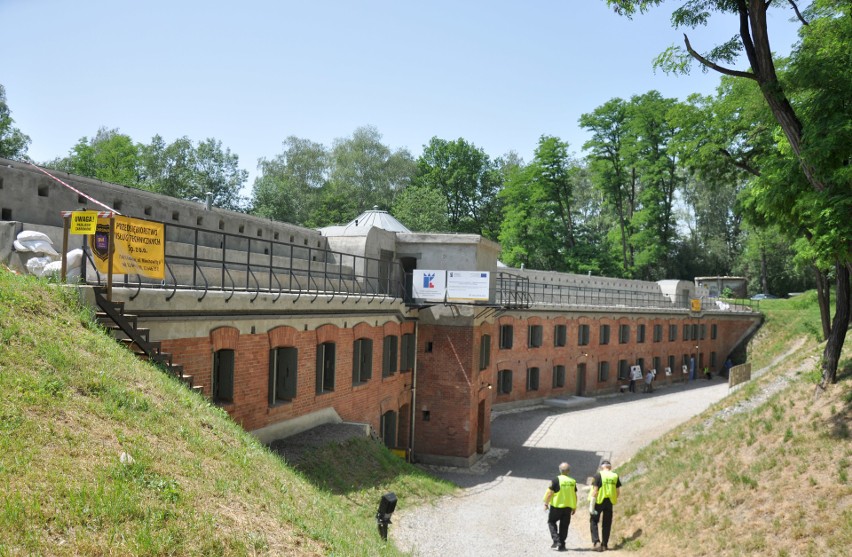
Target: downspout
[{"x": 413, "y": 395}]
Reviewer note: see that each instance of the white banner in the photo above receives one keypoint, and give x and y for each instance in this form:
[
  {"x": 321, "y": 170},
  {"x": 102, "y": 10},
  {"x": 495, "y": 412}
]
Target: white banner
[
  {"x": 429, "y": 285},
  {"x": 467, "y": 286}
]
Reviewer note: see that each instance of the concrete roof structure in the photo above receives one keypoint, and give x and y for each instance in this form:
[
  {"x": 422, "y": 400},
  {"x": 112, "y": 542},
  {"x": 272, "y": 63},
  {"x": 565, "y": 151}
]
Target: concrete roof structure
[{"x": 361, "y": 225}]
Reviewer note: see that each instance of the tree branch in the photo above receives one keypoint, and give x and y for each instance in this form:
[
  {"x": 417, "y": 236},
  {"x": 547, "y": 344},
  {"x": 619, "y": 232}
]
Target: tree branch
[
  {"x": 714, "y": 66},
  {"x": 745, "y": 35},
  {"x": 739, "y": 164},
  {"x": 798, "y": 13}
]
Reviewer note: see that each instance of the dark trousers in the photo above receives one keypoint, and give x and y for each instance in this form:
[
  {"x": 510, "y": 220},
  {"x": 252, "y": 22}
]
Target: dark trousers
[
  {"x": 632, "y": 387},
  {"x": 604, "y": 511},
  {"x": 563, "y": 517}
]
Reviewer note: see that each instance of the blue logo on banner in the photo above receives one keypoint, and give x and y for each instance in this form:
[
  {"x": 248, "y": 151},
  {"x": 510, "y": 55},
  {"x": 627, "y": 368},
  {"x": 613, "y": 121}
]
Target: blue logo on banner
[{"x": 427, "y": 281}]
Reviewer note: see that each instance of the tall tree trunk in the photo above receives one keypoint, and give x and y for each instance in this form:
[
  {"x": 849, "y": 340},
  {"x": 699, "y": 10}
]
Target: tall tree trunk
[
  {"x": 824, "y": 299},
  {"x": 831, "y": 355},
  {"x": 764, "y": 283}
]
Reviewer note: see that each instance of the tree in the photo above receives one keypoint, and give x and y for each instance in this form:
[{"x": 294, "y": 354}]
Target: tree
[
  {"x": 184, "y": 170},
  {"x": 468, "y": 180},
  {"x": 218, "y": 172},
  {"x": 659, "y": 177},
  {"x": 168, "y": 169},
  {"x": 720, "y": 141},
  {"x": 288, "y": 185},
  {"x": 13, "y": 143},
  {"x": 421, "y": 209},
  {"x": 179, "y": 169},
  {"x": 367, "y": 170},
  {"x": 610, "y": 168},
  {"x": 823, "y": 51},
  {"x": 539, "y": 228},
  {"x": 109, "y": 156}
]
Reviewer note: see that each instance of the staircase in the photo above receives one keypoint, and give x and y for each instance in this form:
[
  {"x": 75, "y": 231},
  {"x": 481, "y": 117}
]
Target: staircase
[{"x": 123, "y": 327}]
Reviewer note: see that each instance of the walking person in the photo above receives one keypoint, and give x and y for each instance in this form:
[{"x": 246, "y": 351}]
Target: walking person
[
  {"x": 605, "y": 489},
  {"x": 560, "y": 500}
]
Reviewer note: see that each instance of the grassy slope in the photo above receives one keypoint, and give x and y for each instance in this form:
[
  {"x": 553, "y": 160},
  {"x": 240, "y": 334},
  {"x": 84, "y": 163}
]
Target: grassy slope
[
  {"x": 72, "y": 401},
  {"x": 764, "y": 472}
]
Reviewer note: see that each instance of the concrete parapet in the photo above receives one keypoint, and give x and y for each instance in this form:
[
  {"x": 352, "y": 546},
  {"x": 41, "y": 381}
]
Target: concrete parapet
[{"x": 287, "y": 428}]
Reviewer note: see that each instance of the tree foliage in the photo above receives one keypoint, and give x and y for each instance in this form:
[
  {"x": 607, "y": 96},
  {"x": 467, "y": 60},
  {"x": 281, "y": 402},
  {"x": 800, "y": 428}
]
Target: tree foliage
[
  {"x": 180, "y": 169},
  {"x": 13, "y": 142},
  {"x": 421, "y": 209},
  {"x": 468, "y": 180},
  {"x": 632, "y": 162},
  {"x": 539, "y": 220},
  {"x": 811, "y": 109},
  {"x": 312, "y": 185},
  {"x": 286, "y": 188}
]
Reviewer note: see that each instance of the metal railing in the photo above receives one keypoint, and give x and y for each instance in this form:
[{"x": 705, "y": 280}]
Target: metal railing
[
  {"x": 203, "y": 260},
  {"x": 518, "y": 291}
]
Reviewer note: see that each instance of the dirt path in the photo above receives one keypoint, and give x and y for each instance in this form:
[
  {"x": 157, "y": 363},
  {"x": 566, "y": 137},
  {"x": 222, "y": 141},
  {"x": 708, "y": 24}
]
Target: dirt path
[{"x": 499, "y": 511}]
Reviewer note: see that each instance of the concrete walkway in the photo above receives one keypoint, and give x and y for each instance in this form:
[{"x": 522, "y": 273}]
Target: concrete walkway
[{"x": 499, "y": 511}]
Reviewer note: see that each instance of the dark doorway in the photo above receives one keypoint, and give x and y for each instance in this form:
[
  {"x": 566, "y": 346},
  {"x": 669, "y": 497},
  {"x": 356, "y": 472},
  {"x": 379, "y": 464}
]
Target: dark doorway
[
  {"x": 581, "y": 379},
  {"x": 408, "y": 266},
  {"x": 480, "y": 428},
  {"x": 389, "y": 429}
]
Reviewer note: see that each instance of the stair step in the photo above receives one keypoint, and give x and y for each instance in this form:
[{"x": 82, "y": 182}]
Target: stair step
[
  {"x": 144, "y": 332},
  {"x": 106, "y": 319},
  {"x": 143, "y": 335}
]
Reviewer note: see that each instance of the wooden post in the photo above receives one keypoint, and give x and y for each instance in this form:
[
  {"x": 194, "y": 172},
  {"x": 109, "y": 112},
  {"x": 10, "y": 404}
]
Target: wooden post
[
  {"x": 65, "y": 228},
  {"x": 110, "y": 255}
]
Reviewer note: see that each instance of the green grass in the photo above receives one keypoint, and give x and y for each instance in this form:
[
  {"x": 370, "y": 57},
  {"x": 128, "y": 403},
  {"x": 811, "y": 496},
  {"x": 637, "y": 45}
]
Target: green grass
[
  {"x": 72, "y": 401},
  {"x": 772, "y": 478}
]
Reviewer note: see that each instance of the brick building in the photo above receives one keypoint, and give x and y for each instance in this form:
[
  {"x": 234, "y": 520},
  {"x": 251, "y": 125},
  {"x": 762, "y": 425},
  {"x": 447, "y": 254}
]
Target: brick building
[{"x": 286, "y": 327}]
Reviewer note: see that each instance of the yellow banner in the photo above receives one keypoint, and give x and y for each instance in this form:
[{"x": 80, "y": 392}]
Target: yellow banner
[
  {"x": 84, "y": 222},
  {"x": 696, "y": 304},
  {"x": 139, "y": 247}
]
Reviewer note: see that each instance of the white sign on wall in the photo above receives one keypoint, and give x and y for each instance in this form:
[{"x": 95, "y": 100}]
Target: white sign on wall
[
  {"x": 429, "y": 285},
  {"x": 467, "y": 285}
]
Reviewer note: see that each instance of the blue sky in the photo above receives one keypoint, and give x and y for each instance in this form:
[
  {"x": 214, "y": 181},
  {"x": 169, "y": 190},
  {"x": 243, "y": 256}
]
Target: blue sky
[{"x": 497, "y": 73}]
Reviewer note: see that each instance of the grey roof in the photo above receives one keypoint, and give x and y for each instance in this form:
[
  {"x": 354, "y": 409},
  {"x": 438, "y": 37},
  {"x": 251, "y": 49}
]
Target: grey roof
[{"x": 373, "y": 218}]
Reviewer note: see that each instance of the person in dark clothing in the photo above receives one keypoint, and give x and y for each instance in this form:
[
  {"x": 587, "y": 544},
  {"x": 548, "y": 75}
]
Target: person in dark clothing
[
  {"x": 560, "y": 500},
  {"x": 605, "y": 489}
]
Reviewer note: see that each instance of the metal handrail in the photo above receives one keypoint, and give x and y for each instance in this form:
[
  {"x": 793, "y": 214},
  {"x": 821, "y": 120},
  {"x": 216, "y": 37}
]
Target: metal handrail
[
  {"x": 325, "y": 271},
  {"x": 512, "y": 288}
]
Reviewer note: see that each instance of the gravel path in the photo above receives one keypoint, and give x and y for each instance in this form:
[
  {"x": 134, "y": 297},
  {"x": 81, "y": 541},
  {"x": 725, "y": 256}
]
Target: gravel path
[{"x": 499, "y": 511}]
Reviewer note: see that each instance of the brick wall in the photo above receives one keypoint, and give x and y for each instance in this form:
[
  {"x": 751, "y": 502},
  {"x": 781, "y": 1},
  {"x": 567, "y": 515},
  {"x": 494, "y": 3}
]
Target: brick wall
[
  {"x": 521, "y": 357},
  {"x": 448, "y": 418},
  {"x": 449, "y": 387},
  {"x": 363, "y": 403}
]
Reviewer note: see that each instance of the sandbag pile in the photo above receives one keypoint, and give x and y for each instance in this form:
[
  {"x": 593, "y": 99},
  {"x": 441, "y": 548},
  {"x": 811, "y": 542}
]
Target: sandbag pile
[{"x": 45, "y": 260}]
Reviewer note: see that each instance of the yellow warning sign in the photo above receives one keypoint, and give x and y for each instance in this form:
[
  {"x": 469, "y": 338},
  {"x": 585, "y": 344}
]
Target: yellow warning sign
[
  {"x": 84, "y": 222},
  {"x": 139, "y": 247}
]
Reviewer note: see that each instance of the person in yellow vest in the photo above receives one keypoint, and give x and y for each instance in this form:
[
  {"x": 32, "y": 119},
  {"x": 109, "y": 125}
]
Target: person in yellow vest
[
  {"x": 605, "y": 488},
  {"x": 560, "y": 500}
]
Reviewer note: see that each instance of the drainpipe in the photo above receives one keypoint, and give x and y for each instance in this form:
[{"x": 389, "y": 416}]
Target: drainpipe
[{"x": 413, "y": 395}]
